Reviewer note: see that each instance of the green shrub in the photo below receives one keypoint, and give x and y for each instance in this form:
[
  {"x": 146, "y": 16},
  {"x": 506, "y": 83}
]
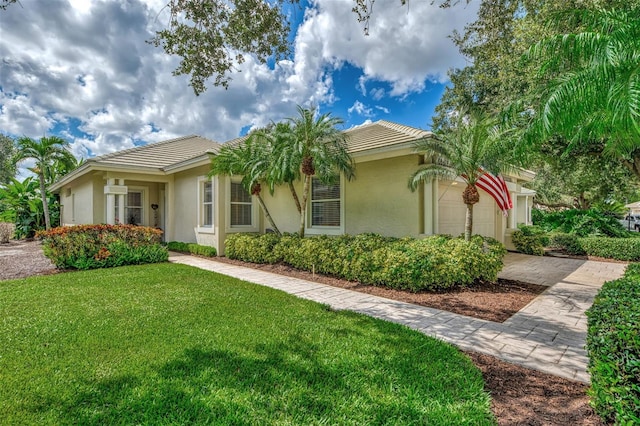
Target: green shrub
[
  {"x": 102, "y": 246},
  {"x": 530, "y": 240},
  {"x": 252, "y": 248},
  {"x": 570, "y": 243},
  {"x": 592, "y": 222},
  {"x": 613, "y": 345},
  {"x": 192, "y": 248},
  {"x": 626, "y": 249},
  {"x": 437, "y": 262}
]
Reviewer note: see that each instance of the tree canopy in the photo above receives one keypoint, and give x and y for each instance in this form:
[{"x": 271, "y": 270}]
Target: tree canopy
[{"x": 7, "y": 159}]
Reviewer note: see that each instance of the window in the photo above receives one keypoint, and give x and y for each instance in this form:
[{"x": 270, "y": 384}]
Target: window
[
  {"x": 133, "y": 209},
  {"x": 241, "y": 206},
  {"x": 206, "y": 212},
  {"x": 325, "y": 204}
]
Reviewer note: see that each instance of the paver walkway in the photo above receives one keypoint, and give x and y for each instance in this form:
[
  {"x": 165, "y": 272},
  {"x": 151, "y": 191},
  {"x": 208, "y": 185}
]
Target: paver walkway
[{"x": 548, "y": 334}]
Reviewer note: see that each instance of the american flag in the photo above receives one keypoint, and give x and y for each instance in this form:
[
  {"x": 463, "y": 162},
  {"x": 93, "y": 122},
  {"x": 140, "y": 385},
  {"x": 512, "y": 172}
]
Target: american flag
[{"x": 497, "y": 188}]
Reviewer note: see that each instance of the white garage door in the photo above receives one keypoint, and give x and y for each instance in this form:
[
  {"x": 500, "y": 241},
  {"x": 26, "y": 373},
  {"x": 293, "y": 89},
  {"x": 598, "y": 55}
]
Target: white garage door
[{"x": 452, "y": 211}]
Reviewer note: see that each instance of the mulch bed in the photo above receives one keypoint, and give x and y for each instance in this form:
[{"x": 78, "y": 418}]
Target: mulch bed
[
  {"x": 520, "y": 396},
  {"x": 489, "y": 301}
]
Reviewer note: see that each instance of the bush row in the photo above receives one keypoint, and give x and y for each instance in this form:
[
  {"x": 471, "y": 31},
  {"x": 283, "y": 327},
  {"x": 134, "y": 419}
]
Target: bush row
[
  {"x": 432, "y": 263},
  {"x": 102, "y": 246},
  {"x": 192, "y": 248},
  {"x": 613, "y": 345},
  {"x": 533, "y": 240}
]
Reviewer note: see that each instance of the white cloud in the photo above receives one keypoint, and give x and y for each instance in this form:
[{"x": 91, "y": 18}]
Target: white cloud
[
  {"x": 361, "y": 109},
  {"x": 73, "y": 63}
]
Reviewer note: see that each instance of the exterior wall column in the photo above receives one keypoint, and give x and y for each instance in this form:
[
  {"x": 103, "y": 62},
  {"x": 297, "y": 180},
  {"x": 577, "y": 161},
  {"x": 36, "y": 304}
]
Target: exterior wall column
[
  {"x": 513, "y": 213},
  {"x": 121, "y": 201},
  {"x": 169, "y": 220},
  {"x": 111, "y": 204}
]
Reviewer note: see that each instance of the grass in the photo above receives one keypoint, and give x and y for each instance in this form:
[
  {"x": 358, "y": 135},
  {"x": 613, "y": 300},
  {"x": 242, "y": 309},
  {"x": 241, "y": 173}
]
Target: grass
[{"x": 171, "y": 344}]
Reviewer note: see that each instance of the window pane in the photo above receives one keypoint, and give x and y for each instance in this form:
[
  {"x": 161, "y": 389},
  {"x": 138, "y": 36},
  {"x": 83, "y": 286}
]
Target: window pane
[
  {"x": 238, "y": 194},
  {"x": 207, "y": 219},
  {"x": 240, "y": 214},
  {"x": 325, "y": 213},
  {"x": 208, "y": 192},
  {"x": 321, "y": 191},
  {"x": 134, "y": 199},
  {"x": 134, "y": 215}
]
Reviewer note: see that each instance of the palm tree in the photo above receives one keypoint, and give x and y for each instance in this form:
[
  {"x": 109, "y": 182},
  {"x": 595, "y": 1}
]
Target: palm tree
[
  {"x": 252, "y": 160},
  {"x": 471, "y": 146},
  {"x": 46, "y": 152},
  {"x": 593, "y": 94},
  {"x": 316, "y": 148},
  {"x": 286, "y": 167}
]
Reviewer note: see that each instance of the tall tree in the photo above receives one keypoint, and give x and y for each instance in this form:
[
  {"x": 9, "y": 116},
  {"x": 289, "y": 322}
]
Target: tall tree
[
  {"x": 46, "y": 152},
  {"x": 317, "y": 149},
  {"x": 471, "y": 145},
  {"x": 7, "y": 159},
  {"x": 285, "y": 169},
  {"x": 252, "y": 160},
  {"x": 593, "y": 95},
  {"x": 212, "y": 36}
]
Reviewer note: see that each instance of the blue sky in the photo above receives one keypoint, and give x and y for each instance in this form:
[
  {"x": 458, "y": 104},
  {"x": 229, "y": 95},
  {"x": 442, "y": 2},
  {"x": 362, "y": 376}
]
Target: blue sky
[{"x": 82, "y": 70}]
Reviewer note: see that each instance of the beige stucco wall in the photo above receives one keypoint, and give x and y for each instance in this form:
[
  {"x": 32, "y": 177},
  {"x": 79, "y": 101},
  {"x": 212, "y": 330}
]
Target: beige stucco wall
[
  {"x": 186, "y": 204},
  {"x": 452, "y": 212},
  {"x": 379, "y": 200},
  {"x": 77, "y": 201}
]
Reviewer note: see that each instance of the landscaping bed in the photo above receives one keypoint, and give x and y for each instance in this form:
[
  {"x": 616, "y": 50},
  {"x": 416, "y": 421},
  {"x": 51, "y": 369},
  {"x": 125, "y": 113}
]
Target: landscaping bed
[
  {"x": 489, "y": 301},
  {"x": 520, "y": 396}
]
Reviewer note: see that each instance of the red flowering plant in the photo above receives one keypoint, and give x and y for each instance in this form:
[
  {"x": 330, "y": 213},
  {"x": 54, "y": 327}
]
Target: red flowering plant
[{"x": 100, "y": 246}]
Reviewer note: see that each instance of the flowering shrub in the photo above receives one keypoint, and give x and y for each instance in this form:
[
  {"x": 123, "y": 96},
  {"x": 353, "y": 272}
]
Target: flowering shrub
[
  {"x": 432, "y": 263},
  {"x": 102, "y": 246}
]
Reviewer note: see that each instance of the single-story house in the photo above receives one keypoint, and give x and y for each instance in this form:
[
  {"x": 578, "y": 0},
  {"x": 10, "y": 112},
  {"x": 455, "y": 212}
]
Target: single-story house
[
  {"x": 165, "y": 185},
  {"x": 634, "y": 208}
]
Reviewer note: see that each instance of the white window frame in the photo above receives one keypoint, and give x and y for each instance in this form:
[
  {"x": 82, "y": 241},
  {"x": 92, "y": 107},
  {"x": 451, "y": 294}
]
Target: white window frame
[
  {"x": 201, "y": 228},
  {"x": 253, "y": 227},
  {"x": 325, "y": 230},
  {"x": 143, "y": 199}
]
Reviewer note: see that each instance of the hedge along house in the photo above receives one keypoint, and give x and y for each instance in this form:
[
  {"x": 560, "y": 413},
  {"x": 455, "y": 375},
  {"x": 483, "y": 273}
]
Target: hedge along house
[{"x": 165, "y": 185}]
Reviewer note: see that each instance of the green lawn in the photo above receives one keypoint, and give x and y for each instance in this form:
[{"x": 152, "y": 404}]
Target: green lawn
[{"x": 171, "y": 344}]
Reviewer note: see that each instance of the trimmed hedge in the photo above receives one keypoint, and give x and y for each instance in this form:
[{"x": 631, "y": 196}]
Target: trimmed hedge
[
  {"x": 192, "y": 248},
  {"x": 530, "y": 240},
  {"x": 102, "y": 246},
  {"x": 613, "y": 345},
  {"x": 626, "y": 249},
  {"x": 433, "y": 263}
]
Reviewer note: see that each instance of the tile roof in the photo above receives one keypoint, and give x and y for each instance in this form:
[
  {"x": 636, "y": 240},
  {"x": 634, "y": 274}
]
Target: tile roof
[
  {"x": 160, "y": 154},
  {"x": 382, "y": 134}
]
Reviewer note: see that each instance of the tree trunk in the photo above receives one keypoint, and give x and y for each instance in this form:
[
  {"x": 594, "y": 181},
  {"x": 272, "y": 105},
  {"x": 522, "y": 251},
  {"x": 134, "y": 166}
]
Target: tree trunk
[
  {"x": 303, "y": 206},
  {"x": 468, "y": 226},
  {"x": 294, "y": 194},
  {"x": 45, "y": 204},
  {"x": 268, "y": 215}
]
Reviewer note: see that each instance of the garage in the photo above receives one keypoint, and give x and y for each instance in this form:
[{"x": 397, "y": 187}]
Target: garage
[{"x": 452, "y": 211}]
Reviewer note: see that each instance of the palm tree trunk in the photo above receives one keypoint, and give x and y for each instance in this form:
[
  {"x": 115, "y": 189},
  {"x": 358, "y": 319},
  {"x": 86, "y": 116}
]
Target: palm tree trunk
[
  {"x": 294, "y": 194},
  {"x": 303, "y": 206},
  {"x": 468, "y": 226},
  {"x": 268, "y": 215},
  {"x": 45, "y": 204}
]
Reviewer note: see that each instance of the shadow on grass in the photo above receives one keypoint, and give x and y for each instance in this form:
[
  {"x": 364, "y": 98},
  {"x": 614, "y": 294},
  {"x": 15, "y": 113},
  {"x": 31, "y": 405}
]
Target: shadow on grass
[{"x": 291, "y": 381}]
